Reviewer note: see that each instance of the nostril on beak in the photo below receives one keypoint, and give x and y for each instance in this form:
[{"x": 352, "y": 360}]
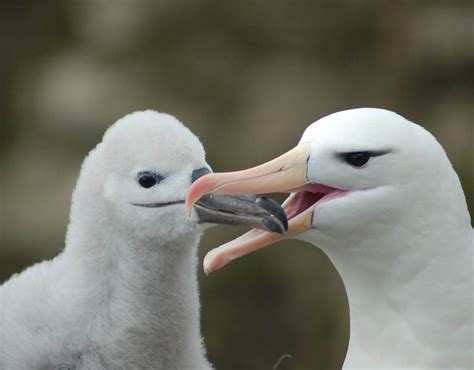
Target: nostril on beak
[{"x": 199, "y": 173}]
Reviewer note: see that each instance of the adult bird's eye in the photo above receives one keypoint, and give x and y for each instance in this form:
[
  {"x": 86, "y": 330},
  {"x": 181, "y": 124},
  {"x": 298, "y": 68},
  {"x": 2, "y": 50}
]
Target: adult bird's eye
[
  {"x": 357, "y": 159},
  {"x": 148, "y": 179}
]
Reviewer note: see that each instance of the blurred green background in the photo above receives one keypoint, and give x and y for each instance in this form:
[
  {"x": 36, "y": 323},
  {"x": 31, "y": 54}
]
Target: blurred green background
[{"x": 247, "y": 77}]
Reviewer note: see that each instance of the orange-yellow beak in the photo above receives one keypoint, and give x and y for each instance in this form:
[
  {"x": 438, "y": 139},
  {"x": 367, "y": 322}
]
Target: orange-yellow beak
[{"x": 285, "y": 174}]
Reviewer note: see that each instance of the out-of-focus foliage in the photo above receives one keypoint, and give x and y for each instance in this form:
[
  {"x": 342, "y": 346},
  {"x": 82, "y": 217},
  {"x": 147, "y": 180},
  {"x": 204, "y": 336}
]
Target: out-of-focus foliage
[{"x": 247, "y": 77}]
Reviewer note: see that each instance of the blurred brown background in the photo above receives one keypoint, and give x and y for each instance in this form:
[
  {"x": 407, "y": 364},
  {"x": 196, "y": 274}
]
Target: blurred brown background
[{"x": 247, "y": 77}]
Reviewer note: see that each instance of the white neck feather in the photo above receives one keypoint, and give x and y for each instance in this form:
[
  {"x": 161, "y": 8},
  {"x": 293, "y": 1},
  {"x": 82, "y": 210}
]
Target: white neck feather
[
  {"x": 138, "y": 301},
  {"x": 408, "y": 287}
]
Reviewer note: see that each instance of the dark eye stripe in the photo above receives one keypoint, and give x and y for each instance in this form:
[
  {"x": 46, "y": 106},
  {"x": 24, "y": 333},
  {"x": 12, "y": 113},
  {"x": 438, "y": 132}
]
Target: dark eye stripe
[
  {"x": 357, "y": 159},
  {"x": 360, "y": 158}
]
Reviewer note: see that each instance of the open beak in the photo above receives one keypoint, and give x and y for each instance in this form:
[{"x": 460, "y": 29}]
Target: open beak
[{"x": 285, "y": 174}]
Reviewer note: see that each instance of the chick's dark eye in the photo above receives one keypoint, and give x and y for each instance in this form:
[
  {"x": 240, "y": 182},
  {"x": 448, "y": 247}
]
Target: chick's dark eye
[
  {"x": 357, "y": 159},
  {"x": 148, "y": 179}
]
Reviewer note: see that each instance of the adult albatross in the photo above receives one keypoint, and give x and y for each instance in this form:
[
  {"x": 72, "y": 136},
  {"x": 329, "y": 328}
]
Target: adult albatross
[
  {"x": 379, "y": 196},
  {"x": 123, "y": 293}
]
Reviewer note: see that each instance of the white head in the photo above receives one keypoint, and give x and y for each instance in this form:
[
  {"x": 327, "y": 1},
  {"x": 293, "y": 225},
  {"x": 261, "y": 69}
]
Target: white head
[
  {"x": 133, "y": 184},
  {"x": 135, "y": 180},
  {"x": 352, "y": 171},
  {"x": 376, "y": 165}
]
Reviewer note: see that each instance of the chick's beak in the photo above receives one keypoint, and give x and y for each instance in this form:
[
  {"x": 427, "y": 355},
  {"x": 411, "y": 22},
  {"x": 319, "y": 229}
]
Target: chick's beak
[
  {"x": 284, "y": 174},
  {"x": 246, "y": 210}
]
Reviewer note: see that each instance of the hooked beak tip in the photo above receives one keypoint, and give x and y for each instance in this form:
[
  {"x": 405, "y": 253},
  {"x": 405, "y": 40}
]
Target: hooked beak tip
[{"x": 202, "y": 186}]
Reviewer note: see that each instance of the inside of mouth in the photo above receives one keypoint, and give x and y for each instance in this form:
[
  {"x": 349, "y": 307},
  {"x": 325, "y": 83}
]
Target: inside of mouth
[
  {"x": 301, "y": 201},
  {"x": 306, "y": 197}
]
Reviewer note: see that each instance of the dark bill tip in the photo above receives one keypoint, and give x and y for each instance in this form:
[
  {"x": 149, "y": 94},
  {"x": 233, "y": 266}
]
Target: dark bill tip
[
  {"x": 247, "y": 210},
  {"x": 274, "y": 208}
]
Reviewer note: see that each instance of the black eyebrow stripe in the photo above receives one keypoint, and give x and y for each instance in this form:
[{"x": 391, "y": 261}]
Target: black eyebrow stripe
[
  {"x": 371, "y": 153},
  {"x": 157, "y": 176}
]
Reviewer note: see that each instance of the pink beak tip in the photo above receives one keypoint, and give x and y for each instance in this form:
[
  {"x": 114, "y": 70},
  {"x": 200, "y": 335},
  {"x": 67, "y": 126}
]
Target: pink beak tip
[
  {"x": 214, "y": 261},
  {"x": 206, "y": 266},
  {"x": 200, "y": 187}
]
